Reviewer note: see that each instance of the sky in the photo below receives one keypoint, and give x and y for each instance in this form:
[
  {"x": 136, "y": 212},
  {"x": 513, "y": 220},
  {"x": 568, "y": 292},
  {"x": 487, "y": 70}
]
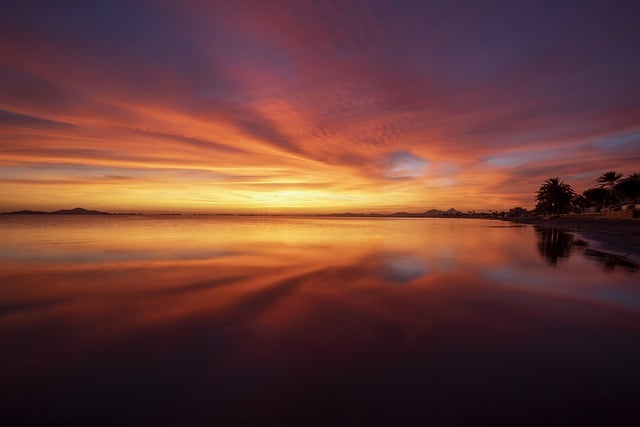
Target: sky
[{"x": 313, "y": 106}]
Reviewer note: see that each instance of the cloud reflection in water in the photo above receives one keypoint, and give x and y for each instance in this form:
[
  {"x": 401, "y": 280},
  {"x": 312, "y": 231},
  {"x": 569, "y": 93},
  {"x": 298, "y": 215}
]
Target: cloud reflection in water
[
  {"x": 403, "y": 268},
  {"x": 301, "y": 320}
]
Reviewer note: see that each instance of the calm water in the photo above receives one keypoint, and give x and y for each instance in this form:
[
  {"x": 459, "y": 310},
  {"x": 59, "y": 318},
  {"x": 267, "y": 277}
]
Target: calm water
[{"x": 234, "y": 321}]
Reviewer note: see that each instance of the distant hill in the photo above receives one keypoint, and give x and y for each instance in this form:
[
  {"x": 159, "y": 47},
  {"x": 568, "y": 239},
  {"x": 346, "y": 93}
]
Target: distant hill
[
  {"x": 79, "y": 211},
  {"x": 26, "y": 212},
  {"x": 439, "y": 213},
  {"x": 433, "y": 212},
  {"x": 75, "y": 211}
]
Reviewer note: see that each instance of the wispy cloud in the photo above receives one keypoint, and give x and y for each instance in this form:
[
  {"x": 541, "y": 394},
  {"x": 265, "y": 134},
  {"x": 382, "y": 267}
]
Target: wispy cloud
[{"x": 359, "y": 105}]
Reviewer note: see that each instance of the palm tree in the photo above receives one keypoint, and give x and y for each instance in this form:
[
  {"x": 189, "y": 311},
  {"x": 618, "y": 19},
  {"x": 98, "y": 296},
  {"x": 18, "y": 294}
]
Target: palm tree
[
  {"x": 629, "y": 187},
  {"x": 554, "y": 196},
  {"x": 608, "y": 180}
]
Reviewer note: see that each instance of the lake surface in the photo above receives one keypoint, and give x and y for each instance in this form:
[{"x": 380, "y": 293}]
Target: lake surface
[{"x": 126, "y": 320}]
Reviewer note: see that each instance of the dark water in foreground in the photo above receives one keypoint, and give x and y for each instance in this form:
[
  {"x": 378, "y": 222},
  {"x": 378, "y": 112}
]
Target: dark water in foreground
[{"x": 241, "y": 321}]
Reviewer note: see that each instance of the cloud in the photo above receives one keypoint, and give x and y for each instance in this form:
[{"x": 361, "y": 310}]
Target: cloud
[
  {"x": 10, "y": 119},
  {"x": 403, "y": 164},
  {"x": 375, "y": 100}
]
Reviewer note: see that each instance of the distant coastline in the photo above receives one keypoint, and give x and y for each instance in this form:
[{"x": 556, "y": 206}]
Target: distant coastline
[
  {"x": 74, "y": 211},
  {"x": 432, "y": 213}
]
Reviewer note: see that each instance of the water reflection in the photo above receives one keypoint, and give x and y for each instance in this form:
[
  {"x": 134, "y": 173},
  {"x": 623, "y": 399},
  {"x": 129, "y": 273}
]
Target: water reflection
[
  {"x": 553, "y": 244},
  {"x": 302, "y": 321},
  {"x": 556, "y": 244},
  {"x": 610, "y": 261},
  {"x": 403, "y": 268}
]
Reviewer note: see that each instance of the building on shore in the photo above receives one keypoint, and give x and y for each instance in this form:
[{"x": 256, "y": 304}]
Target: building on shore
[{"x": 624, "y": 210}]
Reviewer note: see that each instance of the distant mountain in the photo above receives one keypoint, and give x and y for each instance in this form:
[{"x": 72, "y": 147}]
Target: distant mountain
[
  {"x": 79, "y": 211},
  {"x": 438, "y": 213},
  {"x": 75, "y": 211},
  {"x": 26, "y": 212},
  {"x": 433, "y": 212}
]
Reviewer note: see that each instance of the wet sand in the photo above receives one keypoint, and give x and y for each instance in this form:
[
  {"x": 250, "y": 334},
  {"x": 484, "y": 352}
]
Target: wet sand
[{"x": 620, "y": 237}]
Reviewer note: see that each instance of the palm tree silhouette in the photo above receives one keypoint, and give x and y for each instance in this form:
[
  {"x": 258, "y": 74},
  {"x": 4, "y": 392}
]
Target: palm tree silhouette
[
  {"x": 555, "y": 196},
  {"x": 608, "y": 180},
  {"x": 629, "y": 187}
]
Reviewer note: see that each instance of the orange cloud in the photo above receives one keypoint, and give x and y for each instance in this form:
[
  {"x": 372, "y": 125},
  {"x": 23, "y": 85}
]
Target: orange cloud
[{"x": 309, "y": 108}]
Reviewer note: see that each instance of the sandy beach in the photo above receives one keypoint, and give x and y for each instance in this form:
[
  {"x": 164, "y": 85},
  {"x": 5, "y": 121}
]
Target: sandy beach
[{"x": 620, "y": 237}]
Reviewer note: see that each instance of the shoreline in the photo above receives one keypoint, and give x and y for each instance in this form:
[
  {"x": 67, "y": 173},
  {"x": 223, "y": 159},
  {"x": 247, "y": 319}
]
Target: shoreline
[{"x": 612, "y": 236}]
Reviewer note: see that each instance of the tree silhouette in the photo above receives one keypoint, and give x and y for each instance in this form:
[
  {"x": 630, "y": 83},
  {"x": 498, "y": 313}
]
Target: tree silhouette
[
  {"x": 629, "y": 187},
  {"x": 554, "y": 196},
  {"x": 580, "y": 203},
  {"x": 596, "y": 196},
  {"x": 608, "y": 180}
]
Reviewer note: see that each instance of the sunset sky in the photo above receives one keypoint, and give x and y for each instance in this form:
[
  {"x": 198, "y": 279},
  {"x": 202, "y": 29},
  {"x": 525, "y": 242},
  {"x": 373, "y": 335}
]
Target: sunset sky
[{"x": 312, "y": 106}]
